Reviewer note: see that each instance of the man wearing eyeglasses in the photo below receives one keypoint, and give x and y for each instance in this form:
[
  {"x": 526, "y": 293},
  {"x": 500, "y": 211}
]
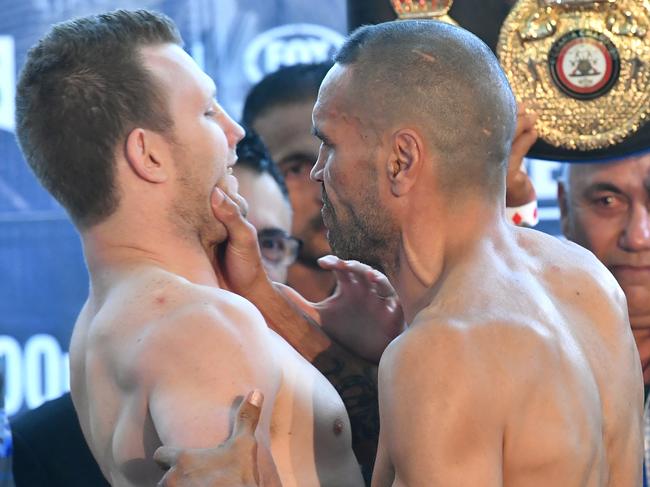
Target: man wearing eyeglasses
[{"x": 269, "y": 209}]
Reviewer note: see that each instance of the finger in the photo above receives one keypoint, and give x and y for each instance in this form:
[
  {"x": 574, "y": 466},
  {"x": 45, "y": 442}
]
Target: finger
[
  {"x": 383, "y": 287},
  {"x": 241, "y": 234},
  {"x": 343, "y": 277},
  {"x": 166, "y": 456},
  {"x": 330, "y": 262},
  {"x": 166, "y": 481},
  {"x": 525, "y": 123},
  {"x": 520, "y": 148},
  {"x": 359, "y": 273},
  {"x": 248, "y": 414}
]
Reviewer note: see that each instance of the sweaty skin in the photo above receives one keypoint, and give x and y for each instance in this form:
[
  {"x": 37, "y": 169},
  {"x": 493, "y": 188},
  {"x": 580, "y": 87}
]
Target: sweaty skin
[
  {"x": 162, "y": 351},
  {"x": 514, "y": 386},
  {"x": 518, "y": 366},
  {"x": 606, "y": 209}
]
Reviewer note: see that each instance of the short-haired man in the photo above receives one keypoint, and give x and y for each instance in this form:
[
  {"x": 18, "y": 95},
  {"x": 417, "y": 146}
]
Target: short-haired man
[
  {"x": 279, "y": 109},
  {"x": 518, "y": 351},
  {"x": 124, "y": 129},
  {"x": 262, "y": 186},
  {"x": 518, "y": 366}
]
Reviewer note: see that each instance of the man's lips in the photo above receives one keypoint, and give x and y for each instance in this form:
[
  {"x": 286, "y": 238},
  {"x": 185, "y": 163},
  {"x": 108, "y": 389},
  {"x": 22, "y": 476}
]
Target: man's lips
[
  {"x": 645, "y": 268},
  {"x": 630, "y": 270},
  {"x": 230, "y": 163}
]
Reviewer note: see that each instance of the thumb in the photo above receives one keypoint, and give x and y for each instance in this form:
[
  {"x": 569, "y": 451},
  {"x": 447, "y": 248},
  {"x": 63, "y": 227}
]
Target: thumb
[
  {"x": 166, "y": 456},
  {"x": 248, "y": 414},
  {"x": 232, "y": 214}
]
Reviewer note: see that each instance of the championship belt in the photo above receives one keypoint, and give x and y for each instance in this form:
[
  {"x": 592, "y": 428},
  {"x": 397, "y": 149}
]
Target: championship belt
[
  {"x": 423, "y": 9},
  {"x": 583, "y": 66}
]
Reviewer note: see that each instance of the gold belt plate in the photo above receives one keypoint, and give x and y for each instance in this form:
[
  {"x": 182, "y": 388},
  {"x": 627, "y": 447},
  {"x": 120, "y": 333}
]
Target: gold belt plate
[{"x": 582, "y": 65}]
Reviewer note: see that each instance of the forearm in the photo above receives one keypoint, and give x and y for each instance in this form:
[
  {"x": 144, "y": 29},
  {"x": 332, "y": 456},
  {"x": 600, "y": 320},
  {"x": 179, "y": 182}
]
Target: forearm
[{"x": 296, "y": 326}]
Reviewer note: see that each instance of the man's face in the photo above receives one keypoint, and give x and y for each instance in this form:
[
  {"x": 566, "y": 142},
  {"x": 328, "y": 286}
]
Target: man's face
[
  {"x": 286, "y": 131},
  {"x": 269, "y": 212},
  {"x": 349, "y": 170},
  {"x": 204, "y": 138},
  {"x": 607, "y": 210}
]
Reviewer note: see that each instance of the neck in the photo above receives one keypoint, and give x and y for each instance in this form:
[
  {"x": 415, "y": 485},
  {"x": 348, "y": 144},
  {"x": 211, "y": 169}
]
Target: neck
[
  {"x": 312, "y": 282},
  {"x": 113, "y": 249},
  {"x": 435, "y": 247}
]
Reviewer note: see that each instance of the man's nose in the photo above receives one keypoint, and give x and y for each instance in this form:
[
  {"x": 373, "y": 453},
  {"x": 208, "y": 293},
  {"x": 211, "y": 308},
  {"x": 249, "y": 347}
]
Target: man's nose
[
  {"x": 234, "y": 131},
  {"x": 316, "y": 173},
  {"x": 636, "y": 235}
]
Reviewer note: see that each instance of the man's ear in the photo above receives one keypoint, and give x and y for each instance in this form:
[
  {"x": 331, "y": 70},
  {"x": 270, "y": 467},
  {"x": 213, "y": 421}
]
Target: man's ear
[
  {"x": 143, "y": 153},
  {"x": 562, "y": 200},
  {"x": 405, "y": 161}
]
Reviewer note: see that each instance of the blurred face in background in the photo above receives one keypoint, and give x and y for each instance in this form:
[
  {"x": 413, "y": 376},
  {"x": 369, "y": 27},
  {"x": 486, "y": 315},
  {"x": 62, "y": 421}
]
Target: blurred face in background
[
  {"x": 270, "y": 213},
  {"x": 606, "y": 209},
  {"x": 286, "y": 131}
]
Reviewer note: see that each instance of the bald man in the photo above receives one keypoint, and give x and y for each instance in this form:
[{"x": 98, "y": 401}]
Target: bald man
[
  {"x": 518, "y": 353},
  {"x": 518, "y": 367}
]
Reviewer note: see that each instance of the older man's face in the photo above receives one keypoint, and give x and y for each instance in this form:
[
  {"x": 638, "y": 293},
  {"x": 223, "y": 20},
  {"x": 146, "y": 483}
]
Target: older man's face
[{"x": 606, "y": 208}]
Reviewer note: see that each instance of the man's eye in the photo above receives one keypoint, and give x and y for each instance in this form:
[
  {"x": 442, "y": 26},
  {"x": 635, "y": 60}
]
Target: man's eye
[
  {"x": 608, "y": 202},
  {"x": 267, "y": 243},
  {"x": 294, "y": 169}
]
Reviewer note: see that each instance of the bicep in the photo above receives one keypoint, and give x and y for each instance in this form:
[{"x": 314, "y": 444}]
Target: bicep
[
  {"x": 440, "y": 428},
  {"x": 196, "y": 389}
]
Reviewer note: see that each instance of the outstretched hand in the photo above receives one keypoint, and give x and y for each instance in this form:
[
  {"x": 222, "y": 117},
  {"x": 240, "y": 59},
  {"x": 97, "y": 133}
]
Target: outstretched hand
[
  {"x": 231, "y": 464},
  {"x": 519, "y": 188},
  {"x": 364, "y": 313}
]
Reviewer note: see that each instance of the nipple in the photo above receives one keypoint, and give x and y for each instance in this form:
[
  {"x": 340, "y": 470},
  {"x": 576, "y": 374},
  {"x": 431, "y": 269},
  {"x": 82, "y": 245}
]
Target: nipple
[{"x": 338, "y": 427}]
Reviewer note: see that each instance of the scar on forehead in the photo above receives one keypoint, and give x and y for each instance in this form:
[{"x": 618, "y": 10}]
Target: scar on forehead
[
  {"x": 487, "y": 131},
  {"x": 424, "y": 55}
]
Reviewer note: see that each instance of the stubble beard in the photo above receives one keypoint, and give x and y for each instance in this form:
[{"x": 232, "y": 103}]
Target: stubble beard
[
  {"x": 367, "y": 236},
  {"x": 191, "y": 214}
]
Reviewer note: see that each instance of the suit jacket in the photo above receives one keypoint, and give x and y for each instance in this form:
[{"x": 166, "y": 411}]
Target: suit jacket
[{"x": 50, "y": 450}]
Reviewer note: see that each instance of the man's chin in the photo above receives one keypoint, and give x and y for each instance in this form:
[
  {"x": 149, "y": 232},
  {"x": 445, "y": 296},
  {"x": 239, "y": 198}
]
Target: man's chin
[{"x": 232, "y": 191}]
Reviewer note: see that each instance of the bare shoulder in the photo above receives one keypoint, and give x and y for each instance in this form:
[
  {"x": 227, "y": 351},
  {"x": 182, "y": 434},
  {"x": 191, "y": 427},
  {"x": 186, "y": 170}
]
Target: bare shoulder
[
  {"x": 447, "y": 389},
  {"x": 573, "y": 272},
  {"x": 181, "y": 319},
  {"x": 193, "y": 352},
  {"x": 470, "y": 355},
  {"x": 559, "y": 254},
  {"x": 158, "y": 325}
]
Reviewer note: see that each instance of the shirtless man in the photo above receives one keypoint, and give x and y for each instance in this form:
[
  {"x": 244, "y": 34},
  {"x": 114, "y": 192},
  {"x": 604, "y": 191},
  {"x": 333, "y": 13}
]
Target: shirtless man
[
  {"x": 518, "y": 352},
  {"x": 518, "y": 367},
  {"x": 123, "y": 128}
]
